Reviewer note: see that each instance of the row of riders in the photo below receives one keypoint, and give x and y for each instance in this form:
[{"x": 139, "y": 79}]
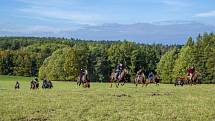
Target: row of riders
[
  {"x": 34, "y": 84},
  {"x": 118, "y": 76},
  {"x": 120, "y": 73}
]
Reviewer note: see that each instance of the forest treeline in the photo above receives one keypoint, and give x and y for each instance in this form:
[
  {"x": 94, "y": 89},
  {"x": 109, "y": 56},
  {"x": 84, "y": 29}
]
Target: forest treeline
[
  {"x": 199, "y": 54},
  {"x": 61, "y": 59}
]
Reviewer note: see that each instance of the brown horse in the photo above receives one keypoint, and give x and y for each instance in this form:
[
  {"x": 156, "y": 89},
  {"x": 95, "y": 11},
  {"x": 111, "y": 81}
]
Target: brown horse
[
  {"x": 140, "y": 79},
  {"x": 155, "y": 80},
  {"x": 195, "y": 78},
  {"x": 181, "y": 81},
  {"x": 84, "y": 81},
  {"x": 121, "y": 78}
]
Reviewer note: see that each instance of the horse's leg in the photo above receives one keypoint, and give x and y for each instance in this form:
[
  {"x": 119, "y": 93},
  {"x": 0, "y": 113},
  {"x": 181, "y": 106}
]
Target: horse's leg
[
  {"x": 117, "y": 83},
  {"x": 123, "y": 83},
  {"x": 147, "y": 82},
  {"x": 142, "y": 82},
  {"x": 79, "y": 83},
  {"x": 111, "y": 81}
]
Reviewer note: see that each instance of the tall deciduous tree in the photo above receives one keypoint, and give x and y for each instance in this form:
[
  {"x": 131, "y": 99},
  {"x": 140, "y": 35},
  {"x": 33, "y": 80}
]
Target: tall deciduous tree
[{"x": 166, "y": 65}]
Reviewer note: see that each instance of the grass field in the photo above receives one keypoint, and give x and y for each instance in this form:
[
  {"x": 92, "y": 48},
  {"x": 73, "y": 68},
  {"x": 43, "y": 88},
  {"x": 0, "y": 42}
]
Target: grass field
[{"x": 66, "y": 102}]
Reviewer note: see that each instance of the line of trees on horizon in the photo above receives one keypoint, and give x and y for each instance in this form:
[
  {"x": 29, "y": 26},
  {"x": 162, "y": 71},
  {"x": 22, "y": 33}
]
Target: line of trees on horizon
[{"x": 61, "y": 59}]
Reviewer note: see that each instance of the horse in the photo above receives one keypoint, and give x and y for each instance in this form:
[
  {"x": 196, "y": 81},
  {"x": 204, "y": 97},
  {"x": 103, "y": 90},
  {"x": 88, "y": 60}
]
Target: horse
[
  {"x": 140, "y": 79},
  {"x": 34, "y": 84},
  {"x": 156, "y": 80},
  {"x": 195, "y": 78},
  {"x": 180, "y": 81},
  {"x": 84, "y": 81},
  {"x": 121, "y": 78},
  {"x": 17, "y": 85}
]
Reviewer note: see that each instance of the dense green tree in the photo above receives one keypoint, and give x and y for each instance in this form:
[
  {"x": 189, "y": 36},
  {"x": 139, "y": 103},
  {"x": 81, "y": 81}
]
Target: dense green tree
[
  {"x": 166, "y": 65},
  {"x": 52, "y": 67}
]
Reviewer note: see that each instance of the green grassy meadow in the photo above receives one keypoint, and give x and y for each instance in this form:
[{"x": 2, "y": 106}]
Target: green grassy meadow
[{"x": 67, "y": 102}]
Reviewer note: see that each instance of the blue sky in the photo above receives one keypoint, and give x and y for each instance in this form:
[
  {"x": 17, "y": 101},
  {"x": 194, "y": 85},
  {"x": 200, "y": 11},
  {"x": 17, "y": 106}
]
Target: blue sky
[{"x": 60, "y": 15}]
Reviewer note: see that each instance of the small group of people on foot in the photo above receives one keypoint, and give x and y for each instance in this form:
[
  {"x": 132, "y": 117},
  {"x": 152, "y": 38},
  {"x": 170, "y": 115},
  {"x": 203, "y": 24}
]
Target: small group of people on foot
[{"x": 34, "y": 84}]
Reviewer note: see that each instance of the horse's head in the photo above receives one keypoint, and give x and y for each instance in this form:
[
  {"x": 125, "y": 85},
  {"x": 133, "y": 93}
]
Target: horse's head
[
  {"x": 157, "y": 76},
  {"x": 125, "y": 71}
]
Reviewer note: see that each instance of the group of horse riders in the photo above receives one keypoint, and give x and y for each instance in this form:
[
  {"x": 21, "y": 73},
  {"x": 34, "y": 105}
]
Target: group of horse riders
[
  {"x": 119, "y": 68},
  {"x": 118, "y": 71}
]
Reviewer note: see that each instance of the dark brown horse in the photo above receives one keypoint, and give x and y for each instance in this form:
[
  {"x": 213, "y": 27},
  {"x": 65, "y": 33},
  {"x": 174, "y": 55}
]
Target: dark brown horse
[
  {"x": 140, "y": 79},
  {"x": 155, "y": 80},
  {"x": 121, "y": 78}
]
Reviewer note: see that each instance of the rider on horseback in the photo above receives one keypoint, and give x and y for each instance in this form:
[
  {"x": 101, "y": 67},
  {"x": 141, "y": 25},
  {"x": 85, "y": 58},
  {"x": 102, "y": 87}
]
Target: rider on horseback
[
  {"x": 82, "y": 72},
  {"x": 150, "y": 76},
  {"x": 139, "y": 73},
  {"x": 36, "y": 79},
  {"x": 119, "y": 68},
  {"x": 191, "y": 71}
]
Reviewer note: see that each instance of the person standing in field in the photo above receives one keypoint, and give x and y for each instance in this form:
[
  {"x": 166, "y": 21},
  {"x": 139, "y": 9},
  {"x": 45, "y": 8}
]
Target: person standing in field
[{"x": 17, "y": 85}]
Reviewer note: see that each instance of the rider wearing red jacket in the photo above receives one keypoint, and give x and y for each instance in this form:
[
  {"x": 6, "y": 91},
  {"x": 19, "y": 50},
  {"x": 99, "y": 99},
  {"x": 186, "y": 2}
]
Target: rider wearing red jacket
[{"x": 191, "y": 72}]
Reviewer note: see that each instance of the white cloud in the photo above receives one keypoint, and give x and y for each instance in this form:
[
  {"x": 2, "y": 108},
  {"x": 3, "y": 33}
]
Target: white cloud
[
  {"x": 175, "y": 3},
  {"x": 206, "y": 14},
  {"x": 76, "y": 17},
  {"x": 59, "y": 9}
]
